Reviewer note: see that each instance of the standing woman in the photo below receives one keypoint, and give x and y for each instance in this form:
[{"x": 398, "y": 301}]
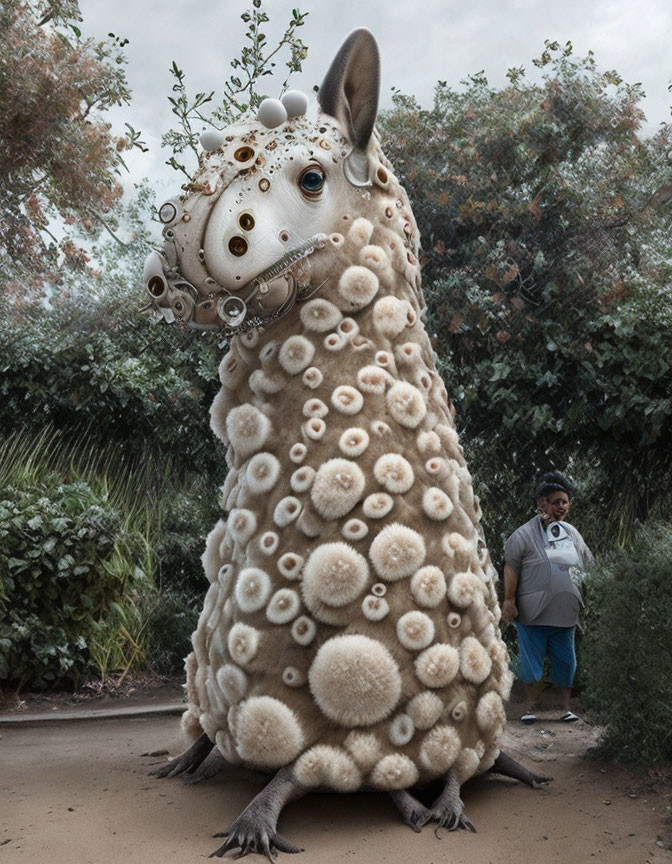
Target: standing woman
[{"x": 540, "y": 595}]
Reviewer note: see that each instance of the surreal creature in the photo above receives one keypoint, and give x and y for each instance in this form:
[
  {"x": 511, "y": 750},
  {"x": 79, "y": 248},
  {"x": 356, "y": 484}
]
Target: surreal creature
[{"x": 349, "y": 637}]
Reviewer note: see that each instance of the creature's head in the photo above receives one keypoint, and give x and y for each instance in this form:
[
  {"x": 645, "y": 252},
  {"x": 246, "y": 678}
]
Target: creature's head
[{"x": 243, "y": 244}]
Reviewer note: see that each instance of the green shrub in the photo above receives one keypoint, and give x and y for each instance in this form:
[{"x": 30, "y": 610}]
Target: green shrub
[
  {"x": 627, "y": 648},
  {"x": 75, "y": 562}
]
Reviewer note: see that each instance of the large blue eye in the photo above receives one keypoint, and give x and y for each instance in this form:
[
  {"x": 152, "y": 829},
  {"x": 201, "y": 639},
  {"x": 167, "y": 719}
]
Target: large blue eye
[{"x": 312, "y": 180}]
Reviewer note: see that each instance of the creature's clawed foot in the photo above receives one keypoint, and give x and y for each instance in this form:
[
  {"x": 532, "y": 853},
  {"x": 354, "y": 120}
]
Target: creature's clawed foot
[
  {"x": 251, "y": 832},
  {"x": 210, "y": 767},
  {"x": 450, "y": 817},
  {"x": 448, "y": 809},
  {"x": 508, "y": 767},
  {"x": 414, "y": 814},
  {"x": 255, "y": 829},
  {"x": 187, "y": 761}
]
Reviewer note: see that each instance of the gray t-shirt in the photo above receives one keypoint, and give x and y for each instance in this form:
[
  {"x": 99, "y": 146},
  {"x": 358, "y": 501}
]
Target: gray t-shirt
[{"x": 546, "y": 593}]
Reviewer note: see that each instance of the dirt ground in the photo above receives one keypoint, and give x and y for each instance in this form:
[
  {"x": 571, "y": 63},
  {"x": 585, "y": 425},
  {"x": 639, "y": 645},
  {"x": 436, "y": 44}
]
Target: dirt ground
[{"x": 80, "y": 792}]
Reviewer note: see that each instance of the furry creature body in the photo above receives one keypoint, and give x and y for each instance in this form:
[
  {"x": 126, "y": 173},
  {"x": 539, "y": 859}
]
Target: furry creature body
[{"x": 349, "y": 636}]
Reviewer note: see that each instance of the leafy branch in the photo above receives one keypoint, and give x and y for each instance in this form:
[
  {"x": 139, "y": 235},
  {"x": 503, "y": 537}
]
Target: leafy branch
[{"x": 257, "y": 60}]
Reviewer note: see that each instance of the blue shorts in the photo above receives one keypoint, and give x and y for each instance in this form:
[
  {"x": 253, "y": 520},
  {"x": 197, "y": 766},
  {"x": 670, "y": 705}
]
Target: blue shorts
[{"x": 534, "y": 642}]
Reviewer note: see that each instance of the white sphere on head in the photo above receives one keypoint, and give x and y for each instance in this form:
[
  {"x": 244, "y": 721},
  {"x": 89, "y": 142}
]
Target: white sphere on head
[
  {"x": 272, "y": 113},
  {"x": 211, "y": 140},
  {"x": 295, "y": 103}
]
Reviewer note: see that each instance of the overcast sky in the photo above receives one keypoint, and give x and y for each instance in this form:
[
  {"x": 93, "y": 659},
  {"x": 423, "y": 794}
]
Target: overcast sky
[{"x": 420, "y": 43}]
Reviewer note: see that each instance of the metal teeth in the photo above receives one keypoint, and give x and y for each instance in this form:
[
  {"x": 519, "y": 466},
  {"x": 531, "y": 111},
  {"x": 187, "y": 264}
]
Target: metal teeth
[{"x": 290, "y": 259}]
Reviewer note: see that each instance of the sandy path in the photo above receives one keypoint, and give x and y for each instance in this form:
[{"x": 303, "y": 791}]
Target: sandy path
[{"x": 79, "y": 793}]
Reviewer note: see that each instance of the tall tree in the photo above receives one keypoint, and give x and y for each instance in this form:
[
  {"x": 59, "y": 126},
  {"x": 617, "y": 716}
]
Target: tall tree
[
  {"x": 59, "y": 159},
  {"x": 544, "y": 214}
]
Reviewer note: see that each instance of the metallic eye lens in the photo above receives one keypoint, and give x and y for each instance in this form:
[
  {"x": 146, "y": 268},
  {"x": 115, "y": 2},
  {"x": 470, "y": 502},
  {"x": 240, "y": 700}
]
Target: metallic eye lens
[
  {"x": 167, "y": 212},
  {"x": 246, "y": 221},
  {"x": 237, "y": 246},
  {"x": 243, "y": 154},
  {"x": 312, "y": 180}
]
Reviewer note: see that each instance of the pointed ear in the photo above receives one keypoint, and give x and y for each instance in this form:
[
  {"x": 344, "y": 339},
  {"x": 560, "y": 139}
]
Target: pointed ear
[{"x": 349, "y": 93}]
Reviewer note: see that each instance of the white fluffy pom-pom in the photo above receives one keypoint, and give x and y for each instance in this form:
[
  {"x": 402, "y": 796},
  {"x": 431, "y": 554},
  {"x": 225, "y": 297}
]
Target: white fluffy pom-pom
[
  {"x": 428, "y": 586},
  {"x": 438, "y": 665},
  {"x": 397, "y": 552},
  {"x": 394, "y": 473}
]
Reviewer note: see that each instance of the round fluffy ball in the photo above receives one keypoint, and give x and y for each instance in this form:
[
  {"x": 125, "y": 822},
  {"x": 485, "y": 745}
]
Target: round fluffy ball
[
  {"x": 462, "y": 589},
  {"x": 241, "y": 525},
  {"x": 347, "y": 399},
  {"x": 327, "y": 766},
  {"x": 252, "y": 589},
  {"x": 312, "y": 377},
  {"x": 425, "y": 709},
  {"x": 315, "y": 428},
  {"x": 337, "y": 488},
  {"x": 355, "y": 680},
  {"x": 357, "y": 287},
  {"x": 401, "y": 729},
  {"x": 284, "y": 605},
  {"x": 378, "y": 505},
  {"x": 335, "y": 574},
  {"x": 415, "y": 630},
  {"x": 380, "y": 429},
  {"x": 335, "y": 342},
  {"x": 247, "y": 429},
  {"x": 297, "y": 453},
  {"x": 394, "y": 473},
  {"x": 389, "y": 316},
  {"x": 302, "y": 479},
  {"x": 320, "y": 315},
  {"x": 406, "y": 404},
  {"x": 429, "y": 443},
  {"x": 365, "y": 749},
  {"x": 394, "y": 771},
  {"x": 232, "y": 681},
  {"x": 436, "y": 504},
  {"x": 438, "y": 665},
  {"x": 303, "y": 630},
  {"x": 440, "y": 748},
  {"x": 290, "y": 565},
  {"x": 375, "y": 608},
  {"x": 490, "y": 712},
  {"x": 314, "y": 408},
  {"x": 286, "y": 511},
  {"x": 243, "y": 643},
  {"x": 355, "y": 529},
  {"x": 262, "y": 473},
  {"x": 372, "y": 379},
  {"x": 475, "y": 663},
  {"x": 268, "y": 733},
  {"x": 428, "y": 586},
  {"x": 353, "y": 442},
  {"x": 296, "y": 354},
  {"x": 397, "y": 552},
  {"x": 269, "y": 542}
]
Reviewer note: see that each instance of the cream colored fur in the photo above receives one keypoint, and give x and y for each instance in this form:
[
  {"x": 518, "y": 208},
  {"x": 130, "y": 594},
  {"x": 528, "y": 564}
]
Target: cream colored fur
[{"x": 351, "y": 619}]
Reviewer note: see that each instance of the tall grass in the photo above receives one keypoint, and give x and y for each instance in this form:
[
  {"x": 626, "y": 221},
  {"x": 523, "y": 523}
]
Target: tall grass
[{"x": 118, "y": 639}]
